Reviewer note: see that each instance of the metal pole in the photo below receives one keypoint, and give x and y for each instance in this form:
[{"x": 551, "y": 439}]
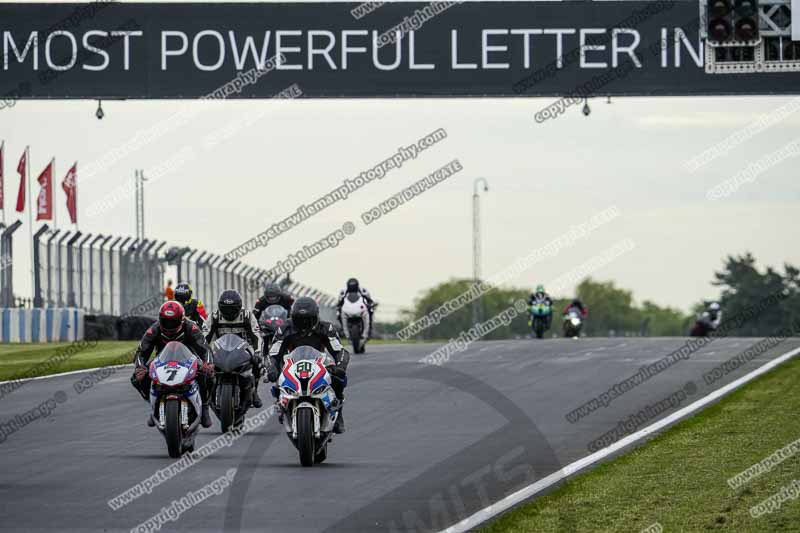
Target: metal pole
[
  {"x": 199, "y": 274},
  {"x": 111, "y": 272},
  {"x": 3, "y": 258},
  {"x": 101, "y": 254},
  {"x": 136, "y": 199},
  {"x": 91, "y": 271},
  {"x": 50, "y": 300},
  {"x": 37, "y": 281},
  {"x": 127, "y": 276},
  {"x": 159, "y": 276},
  {"x": 71, "y": 269},
  {"x": 30, "y": 208},
  {"x": 149, "y": 266},
  {"x": 81, "y": 246},
  {"x": 188, "y": 260},
  {"x": 139, "y": 179},
  {"x": 8, "y": 297},
  {"x": 476, "y": 244},
  {"x": 61, "y": 268}
]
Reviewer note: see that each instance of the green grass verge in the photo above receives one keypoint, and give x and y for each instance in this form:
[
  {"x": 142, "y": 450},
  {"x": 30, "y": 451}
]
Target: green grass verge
[
  {"x": 25, "y": 360},
  {"x": 679, "y": 479}
]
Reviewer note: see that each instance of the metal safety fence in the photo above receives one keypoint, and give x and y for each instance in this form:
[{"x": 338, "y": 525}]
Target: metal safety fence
[{"x": 113, "y": 275}]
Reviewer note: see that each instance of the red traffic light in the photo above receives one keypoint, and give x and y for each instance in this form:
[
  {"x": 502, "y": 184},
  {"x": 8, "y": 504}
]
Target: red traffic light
[
  {"x": 746, "y": 29},
  {"x": 719, "y": 30}
]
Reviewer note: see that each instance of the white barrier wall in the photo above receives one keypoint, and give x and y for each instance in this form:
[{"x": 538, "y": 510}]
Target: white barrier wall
[{"x": 41, "y": 325}]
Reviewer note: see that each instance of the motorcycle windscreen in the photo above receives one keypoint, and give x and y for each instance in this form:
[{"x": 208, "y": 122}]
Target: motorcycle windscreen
[
  {"x": 230, "y": 342},
  {"x": 230, "y": 353},
  {"x": 353, "y": 297},
  {"x": 275, "y": 311},
  {"x": 305, "y": 353},
  {"x": 175, "y": 351}
]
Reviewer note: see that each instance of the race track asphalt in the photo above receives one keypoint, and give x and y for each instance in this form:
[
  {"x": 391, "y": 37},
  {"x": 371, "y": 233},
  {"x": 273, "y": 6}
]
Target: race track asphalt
[{"x": 426, "y": 446}]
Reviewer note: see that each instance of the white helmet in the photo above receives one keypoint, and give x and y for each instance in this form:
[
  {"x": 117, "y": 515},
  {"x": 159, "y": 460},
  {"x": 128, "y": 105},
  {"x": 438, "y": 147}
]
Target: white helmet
[{"x": 714, "y": 307}]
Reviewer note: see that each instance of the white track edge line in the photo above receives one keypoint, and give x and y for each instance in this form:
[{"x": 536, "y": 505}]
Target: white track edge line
[
  {"x": 525, "y": 493},
  {"x": 70, "y": 373}
]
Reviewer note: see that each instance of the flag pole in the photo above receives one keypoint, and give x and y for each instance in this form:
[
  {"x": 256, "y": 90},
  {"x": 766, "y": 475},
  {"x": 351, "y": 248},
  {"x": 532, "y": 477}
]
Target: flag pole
[
  {"x": 3, "y": 178},
  {"x": 53, "y": 190},
  {"x": 30, "y": 216},
  {"x": 75, "y": 193}
]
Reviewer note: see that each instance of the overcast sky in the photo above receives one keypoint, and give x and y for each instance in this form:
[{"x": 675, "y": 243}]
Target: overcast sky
[{"x": 543, "y": 178}]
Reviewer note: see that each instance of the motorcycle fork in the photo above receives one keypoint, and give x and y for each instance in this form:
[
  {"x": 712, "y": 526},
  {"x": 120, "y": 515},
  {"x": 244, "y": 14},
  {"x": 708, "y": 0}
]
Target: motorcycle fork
[{"x": 305, "y": 405}]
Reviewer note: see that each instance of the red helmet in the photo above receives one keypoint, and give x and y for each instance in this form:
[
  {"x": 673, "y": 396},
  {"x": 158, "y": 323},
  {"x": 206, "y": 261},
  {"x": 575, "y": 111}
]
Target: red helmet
[{"x": 170, "y": 318}]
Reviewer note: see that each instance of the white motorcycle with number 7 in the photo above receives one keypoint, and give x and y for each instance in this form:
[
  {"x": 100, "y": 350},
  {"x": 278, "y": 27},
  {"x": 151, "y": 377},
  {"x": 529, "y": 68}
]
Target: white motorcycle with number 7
[
  {"x": 175, "y": 397},
  {"x": 355, "y": 320},
  {"x": 309, "y": 404}
]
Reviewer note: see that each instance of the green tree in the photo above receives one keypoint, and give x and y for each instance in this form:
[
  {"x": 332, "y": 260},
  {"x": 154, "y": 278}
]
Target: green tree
[
  {"x": 743, "y": 287},
  {"x": 663, "y": 321},
  {"x": 492, "y": 303},
  {"x": 610, "y": 308}
]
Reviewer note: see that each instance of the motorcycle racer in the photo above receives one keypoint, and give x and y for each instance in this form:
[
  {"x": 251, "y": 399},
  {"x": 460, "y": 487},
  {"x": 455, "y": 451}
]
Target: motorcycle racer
[
  {"x": 231, "y": 318},
  {"x": 172, "y": 325},
  {"x": 304, "y": 328}
]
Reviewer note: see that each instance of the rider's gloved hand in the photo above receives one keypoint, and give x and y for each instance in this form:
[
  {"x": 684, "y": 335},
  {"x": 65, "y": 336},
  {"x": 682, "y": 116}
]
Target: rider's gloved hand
[
  {"x": 140, "y": 373},
  {"x": 207, "y": 369},
  {"x": 337, "y": 371}
]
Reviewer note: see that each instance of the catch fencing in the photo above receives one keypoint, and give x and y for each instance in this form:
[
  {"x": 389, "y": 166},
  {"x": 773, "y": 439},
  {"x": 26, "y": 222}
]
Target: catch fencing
[{"x": 113, "y": 275}]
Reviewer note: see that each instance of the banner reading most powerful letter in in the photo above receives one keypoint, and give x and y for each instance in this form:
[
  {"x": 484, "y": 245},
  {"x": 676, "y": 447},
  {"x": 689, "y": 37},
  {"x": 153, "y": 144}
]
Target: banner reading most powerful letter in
[{"x": 246, "y": 50}]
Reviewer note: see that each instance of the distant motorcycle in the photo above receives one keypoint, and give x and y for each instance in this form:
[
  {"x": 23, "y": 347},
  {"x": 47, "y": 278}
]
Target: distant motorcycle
[
  {"x": 355, "y": 321},
  {"x": 308, "y": 403},
  {"x": 272, "y": 318},
  {"x": 539, "y": 311},
  {"x": 175, "y": 397},
  {"x": 233, "y": 382},
  {"x": 572, "y": 324},
  {"x": 702, "y": 326}
]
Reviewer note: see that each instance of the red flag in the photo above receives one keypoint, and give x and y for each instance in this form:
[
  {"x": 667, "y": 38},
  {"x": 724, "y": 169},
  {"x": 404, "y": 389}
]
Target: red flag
[
  {"x": 71, "y": 189},
  {"x": 23, "y": 163},
  {"x": 45, "y": 204},
  {"x": 2, "y": 200}
]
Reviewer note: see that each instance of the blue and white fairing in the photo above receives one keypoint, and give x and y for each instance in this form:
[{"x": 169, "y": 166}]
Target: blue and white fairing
[
  {"x": 174, "y": 373},
  {"x": 304, "y": 375}
]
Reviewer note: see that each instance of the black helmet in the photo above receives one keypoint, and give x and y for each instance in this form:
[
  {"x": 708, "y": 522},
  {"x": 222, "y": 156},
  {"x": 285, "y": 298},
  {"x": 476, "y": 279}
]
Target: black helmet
[
  {"x": 352, "y": 285},
  {"x": 183, "y": 293},
  {"x": 305, "y": 314},
  {"x": 230, "y": 304},
  {"x": 272, "y": 293},
  {"x": 576, "y": 301}
]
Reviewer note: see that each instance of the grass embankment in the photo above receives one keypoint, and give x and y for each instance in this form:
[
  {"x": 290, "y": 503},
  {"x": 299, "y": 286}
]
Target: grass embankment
[
  {"x": 29, "y": 360},
  {"x": 679, "y": 479}
]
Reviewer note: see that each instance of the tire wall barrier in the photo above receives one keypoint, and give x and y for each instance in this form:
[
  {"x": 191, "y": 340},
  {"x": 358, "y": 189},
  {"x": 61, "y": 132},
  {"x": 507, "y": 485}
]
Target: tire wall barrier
[{"x": 50, "y": 324}]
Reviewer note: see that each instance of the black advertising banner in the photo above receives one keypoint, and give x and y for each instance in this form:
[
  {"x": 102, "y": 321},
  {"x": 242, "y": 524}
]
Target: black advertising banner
[{"x": 127, "y": 50}]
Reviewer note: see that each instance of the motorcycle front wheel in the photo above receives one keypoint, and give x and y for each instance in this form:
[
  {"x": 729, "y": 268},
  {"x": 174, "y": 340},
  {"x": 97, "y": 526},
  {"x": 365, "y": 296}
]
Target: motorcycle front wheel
[
  {"x": 538, "y": 328},
  {"x": 305, "y": 436},
  {"x": 173, "y": 432},
  {"x": 226, "y": 407}
]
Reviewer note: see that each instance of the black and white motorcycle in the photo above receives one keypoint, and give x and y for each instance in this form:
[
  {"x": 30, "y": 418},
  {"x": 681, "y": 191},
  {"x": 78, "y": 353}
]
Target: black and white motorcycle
[
  {"x": 355, "y": 320},
  {"x": 233, "y": 383}
]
